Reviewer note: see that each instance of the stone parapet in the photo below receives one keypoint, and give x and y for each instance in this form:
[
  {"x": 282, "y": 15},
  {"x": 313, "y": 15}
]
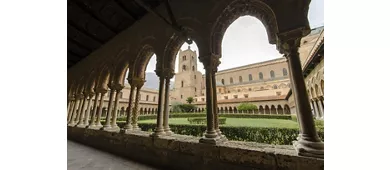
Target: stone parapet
[{"x": 185, "y": 152}]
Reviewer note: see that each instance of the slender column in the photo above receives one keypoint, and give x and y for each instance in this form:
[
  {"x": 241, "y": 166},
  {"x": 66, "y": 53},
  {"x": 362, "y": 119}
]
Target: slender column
[
  {"x": 82, "y": 111},
  {"x": 99, "y": 113},
  {"x": 167, "y": 130},
  {"x": 72, "y": 122},
  {"x": 114, "y": 126},
  {"x": 215, "y": 102},
  {"x": 159, "y": 129},
  {"x": 94, "y": 111},
  {"x": 316, "y": 111},
  {"x": 82, "y": 100},
  {"x": 107, "y": 125},
  {"x": 128, "y": 125},
  {"x": 320, "y": 108},
  {"x": 308, "y": 144},
  {"x": 88, "y": 109},
  {"x": 70, "y": 110},
  {"x": 211, "y": 136},
  {"x": 134, "y": 121}
]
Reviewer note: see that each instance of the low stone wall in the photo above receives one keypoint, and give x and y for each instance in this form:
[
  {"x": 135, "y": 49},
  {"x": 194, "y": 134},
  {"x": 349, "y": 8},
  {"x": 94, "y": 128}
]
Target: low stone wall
[{"x": 185, "y": 152}]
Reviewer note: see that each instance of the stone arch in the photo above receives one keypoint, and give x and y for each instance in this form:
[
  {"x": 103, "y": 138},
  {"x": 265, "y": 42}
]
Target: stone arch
[
  {"x": 322, "y": 86},
  {"x": 122, "y": 111},
  {"x": 230, "y": 109},
  {"x": 286, "y": 109},
  {"x": 141, "y": 111},
  {"x": 230, "y": 11},
  {"x": 273, "y": 109},
  {"x": 144, "y": 54},
  {"x": 104, "y": 112},
  {"x": 267, "y": 110},
  {"x": 149, "y": 111},
  {"x": 261, "y": 109},
  {"x": 234, "y": 109},
  {"x": 317, "y": 90},
  {"x": 280, "y": 109},
  {"x": 312, "y": 93}
]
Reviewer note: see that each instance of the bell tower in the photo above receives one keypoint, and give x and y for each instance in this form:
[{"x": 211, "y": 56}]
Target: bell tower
[{"x": 188, "y": 78}]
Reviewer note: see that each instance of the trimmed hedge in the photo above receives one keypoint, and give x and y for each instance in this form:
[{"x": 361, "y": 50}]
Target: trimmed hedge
[
  {"x": 203, "y": 120},
  {"x": 277, "y": 136}
]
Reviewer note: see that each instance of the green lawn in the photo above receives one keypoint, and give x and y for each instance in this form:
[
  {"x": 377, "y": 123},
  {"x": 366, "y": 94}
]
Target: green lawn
[{"x": 240, "y": 122}]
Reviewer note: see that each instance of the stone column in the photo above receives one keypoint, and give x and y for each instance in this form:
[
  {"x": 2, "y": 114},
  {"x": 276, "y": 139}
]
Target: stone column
[
  {"x": 320, "y": 108},
  {"x": 79, "y": 112},
  {"x": 86, "y": 123},
  {"x": 138, "y": 82},
  {"x": 308, "y": 144},
  {"x": 128, "y": 125},
  {"x": 82, "y": 112},
  {"x": 114, "y": 126},
  {"x": 73, "y": 116},
  {"x": 316, "y": 111},
  {"x": 159, "y": 131},
  {"x": 211, "y": 136},
  {"x": 70, "y": 110},
  {"x": 168, "y": 75},
  {"x": 94, "y": 111},
  {"x": 107, "y": 124},
  {"x": 214, "y": 68},
  {"x": 99, "y": 112}
]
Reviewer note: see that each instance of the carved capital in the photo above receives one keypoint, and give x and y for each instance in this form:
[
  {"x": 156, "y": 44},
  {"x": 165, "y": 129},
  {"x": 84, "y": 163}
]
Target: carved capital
[
  {"x": 211, "y": 62},
  {"x": 79, "y": 96},
  {"x": 118, "y": 87},
  {"x": 168, "y": 73},
  {"x": 138, "y": 82},
  {"x": 289, "y": 41},
  {"x": 159, "y": 72}
]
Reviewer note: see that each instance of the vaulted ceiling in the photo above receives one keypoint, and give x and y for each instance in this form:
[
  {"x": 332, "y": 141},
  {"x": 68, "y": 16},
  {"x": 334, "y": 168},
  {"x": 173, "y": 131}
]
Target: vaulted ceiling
[{"x": 91, "y": 23}]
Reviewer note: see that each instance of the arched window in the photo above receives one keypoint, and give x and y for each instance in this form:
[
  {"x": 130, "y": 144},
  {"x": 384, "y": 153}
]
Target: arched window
[
  {"x": 261, "y": 76},
  {"x": 193, "y": 68},
  {"x": 272, "y": 73},
  {"x": 182, "y": 83},
  {"x": 250, "y": 77},
  {"x": 231, "y": 80},
  {"x": 184, "y": 57},
  {"x": 284, "y": 72},
  {"x": 184, "y": 68},
  {"x": 195, "y": 89},
  {"x": 194, "y": 76},
  {"x": 154, "y": 98},
  {"x": 223, "y": 81},
  {"x": 147, "y": 97},
  {"x": 240, "y": 79}
]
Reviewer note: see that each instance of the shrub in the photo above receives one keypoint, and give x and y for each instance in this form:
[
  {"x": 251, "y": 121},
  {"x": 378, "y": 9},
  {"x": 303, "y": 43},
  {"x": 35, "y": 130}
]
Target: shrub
[
  {"x": 203, "y": 120},
  {"x": 176, "y": 107},
  {"x": 277, "y": 136},
  {"x": 187, "y": 107},
  {"x": 246, "y": 107},
  {"x": 294, "y": 118},
  {"x": 190, "y": 100}
]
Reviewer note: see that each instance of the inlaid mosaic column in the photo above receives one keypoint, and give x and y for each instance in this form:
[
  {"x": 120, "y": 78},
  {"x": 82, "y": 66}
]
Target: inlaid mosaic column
[
  {"x": 70, "y": 109},
  {"x": 308, "y": 144},
  {"x": 138, "y": 82},
  {"x": 320, "y": 108},
  {"x": 215, "y": 63},
  {"x": 82, "y": 100},
  {"x": 128, "y": 125}
]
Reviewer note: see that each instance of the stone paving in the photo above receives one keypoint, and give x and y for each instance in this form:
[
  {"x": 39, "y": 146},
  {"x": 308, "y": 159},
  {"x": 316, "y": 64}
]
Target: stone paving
[{"x": 81, "y": 157}]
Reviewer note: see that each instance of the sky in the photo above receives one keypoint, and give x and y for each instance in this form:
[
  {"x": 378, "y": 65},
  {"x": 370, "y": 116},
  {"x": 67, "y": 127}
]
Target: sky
[{"x": 245, "y": 41}]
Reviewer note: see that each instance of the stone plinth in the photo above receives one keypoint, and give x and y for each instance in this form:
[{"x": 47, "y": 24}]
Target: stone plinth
[{"x": 185, "y": 152}]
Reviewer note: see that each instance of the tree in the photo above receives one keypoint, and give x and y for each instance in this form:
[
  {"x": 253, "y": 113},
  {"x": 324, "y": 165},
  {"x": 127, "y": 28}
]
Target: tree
[
  {"x": 190, "y": 100},
  {"x": 246, "y": 107}
]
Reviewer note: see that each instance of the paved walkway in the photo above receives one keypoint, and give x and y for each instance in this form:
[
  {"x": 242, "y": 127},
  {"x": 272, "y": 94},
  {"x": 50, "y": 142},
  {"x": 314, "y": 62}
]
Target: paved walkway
[{"x": 81, "y": 157}]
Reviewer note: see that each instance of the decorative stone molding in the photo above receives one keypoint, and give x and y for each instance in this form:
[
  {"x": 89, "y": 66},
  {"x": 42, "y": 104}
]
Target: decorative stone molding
[
  {"x": 239, "y": 8},
  {"x": 290, "y": 41},
  {"x": 137, "y": 82}
]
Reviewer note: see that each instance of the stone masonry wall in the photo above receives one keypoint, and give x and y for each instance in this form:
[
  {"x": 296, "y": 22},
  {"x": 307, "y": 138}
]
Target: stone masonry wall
[{"x": 185, "y": 152}]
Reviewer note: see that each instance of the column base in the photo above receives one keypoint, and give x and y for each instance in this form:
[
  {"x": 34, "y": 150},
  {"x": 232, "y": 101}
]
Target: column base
[
  {"x": 221, "y": 136},
  {"x": 158, "y": 133},
  {"x": 136, "y": 128},
  {"x": 81, "y": 125},
  {"x": 105, "y": 127},
  {"x": 213, "y": 141},
  {"x": 112, "y": 129},
  {"x": 309, "y": 148},
  {"x": 168, "y": 131},
  {"x": 71, "y": 124}
]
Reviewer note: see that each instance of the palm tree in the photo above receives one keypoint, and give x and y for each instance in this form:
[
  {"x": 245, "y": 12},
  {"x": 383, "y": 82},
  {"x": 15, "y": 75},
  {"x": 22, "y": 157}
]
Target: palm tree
[{"x": 190, "y": 100}]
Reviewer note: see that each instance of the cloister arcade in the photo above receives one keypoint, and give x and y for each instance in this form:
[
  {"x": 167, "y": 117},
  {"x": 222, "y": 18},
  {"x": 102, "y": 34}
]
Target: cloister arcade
[{"x": 104, "y": 70}]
